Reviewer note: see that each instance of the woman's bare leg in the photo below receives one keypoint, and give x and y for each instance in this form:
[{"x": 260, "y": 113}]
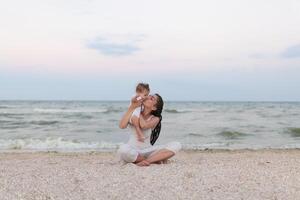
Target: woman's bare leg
[
  {"x": 143, "y": 163},
  {"x": 161, "y": 155},
  {"x": 139, "y": 159}
]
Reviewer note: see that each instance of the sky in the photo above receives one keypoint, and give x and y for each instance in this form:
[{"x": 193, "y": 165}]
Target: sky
[{"x": 234, "y": 50}]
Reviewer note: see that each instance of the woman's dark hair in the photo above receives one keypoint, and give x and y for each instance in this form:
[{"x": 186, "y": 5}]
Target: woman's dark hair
[{"x": 157, "y": 113}]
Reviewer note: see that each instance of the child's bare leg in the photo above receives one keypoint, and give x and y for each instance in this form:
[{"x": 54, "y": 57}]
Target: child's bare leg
[{"x": 139, "y": 132}]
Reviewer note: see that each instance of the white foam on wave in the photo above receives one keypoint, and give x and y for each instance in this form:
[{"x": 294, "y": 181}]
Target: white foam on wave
[
  {"x": 290, "y": 146},
  {"x": 55, "y": 144},
  {"x": 62, "y": 145},
  {"x": 44, "y": 110},
  {"x": 205, "y": 146},
  {"x": 237, "y": 146}
]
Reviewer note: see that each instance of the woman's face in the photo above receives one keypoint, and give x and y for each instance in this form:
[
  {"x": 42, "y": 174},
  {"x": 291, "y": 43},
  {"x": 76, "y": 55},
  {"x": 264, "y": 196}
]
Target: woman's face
[{"x": 150, "y": 102}]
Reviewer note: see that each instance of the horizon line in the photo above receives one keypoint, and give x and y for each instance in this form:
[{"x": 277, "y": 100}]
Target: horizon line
[{"x": 121, "y": 100}]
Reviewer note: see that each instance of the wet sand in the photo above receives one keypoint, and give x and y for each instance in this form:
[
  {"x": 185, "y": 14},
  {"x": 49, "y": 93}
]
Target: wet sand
[{"x": 219, "y": 174}]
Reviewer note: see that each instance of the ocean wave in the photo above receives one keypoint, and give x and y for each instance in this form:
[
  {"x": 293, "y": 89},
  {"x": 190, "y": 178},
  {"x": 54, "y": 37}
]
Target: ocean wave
[
  {"x": 4, "y": 121},
  {"x": 232, "y": 134},
  {"x": 6, "y": 107},
  {"x": 44, "y": 110},
  {"x": 13, "y": 124},
  {"x": 13, "y": 115},
  {"x": 11, "y": 127},
  {"x": 23, "y": 124},
  {"x": 176, "y": 111},
  {"x": 62, "y": 145},
  {"x": 78, "y": 115},
  {"x": 64, "y": 110},
  {"x": 43, "y": 122},
  {"x": 114, "y": 110},
  {"x": 195, "y": 134},
  {"x": 294, "y": 132},
  {"x": 205, "y": 146},
  {"x": 55, "y": 144},
  {"x": 210, "y": 110}
]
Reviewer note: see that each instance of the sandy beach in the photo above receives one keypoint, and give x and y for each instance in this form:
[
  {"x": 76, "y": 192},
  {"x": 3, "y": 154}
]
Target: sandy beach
[{"x": 218, "y": 174}]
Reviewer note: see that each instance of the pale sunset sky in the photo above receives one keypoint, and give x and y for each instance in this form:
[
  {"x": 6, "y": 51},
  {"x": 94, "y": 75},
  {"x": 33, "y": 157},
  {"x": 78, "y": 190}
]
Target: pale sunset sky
[{"x": 212, "y": 50}]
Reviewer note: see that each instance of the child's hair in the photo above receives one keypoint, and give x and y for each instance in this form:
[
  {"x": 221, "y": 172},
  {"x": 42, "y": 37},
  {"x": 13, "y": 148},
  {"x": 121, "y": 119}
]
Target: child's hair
[
  {"x": 142, "y": 87},
  {"x": 157, "y": 113}
]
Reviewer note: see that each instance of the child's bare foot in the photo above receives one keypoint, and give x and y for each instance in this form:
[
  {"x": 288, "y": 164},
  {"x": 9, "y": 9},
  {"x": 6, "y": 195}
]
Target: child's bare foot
[{"x": 141, "y": 139}]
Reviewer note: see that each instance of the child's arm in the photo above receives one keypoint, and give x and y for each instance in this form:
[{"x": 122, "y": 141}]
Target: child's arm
[
  {"x": 138, "y": 130},
  {"x": 149, "y": 123}
]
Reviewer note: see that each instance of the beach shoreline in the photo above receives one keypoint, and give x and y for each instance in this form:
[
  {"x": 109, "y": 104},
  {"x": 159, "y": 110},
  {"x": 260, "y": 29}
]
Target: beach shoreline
[{"x": 192, "y": 174}]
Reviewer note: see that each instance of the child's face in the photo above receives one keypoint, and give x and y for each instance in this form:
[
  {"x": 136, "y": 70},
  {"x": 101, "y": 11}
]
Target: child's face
[{"x": 144, "y": 93}]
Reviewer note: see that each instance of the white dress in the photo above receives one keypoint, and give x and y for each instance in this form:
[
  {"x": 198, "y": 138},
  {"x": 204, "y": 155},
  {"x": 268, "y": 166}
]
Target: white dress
[{"x": 130, "y": 151}]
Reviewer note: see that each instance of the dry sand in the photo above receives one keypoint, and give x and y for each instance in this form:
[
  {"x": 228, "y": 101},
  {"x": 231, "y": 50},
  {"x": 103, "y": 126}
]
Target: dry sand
[{"x": 261, "y": 174}]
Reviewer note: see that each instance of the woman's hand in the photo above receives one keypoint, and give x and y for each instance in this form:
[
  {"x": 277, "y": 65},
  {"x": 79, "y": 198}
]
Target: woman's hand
[{"x": 133, "y": 105}]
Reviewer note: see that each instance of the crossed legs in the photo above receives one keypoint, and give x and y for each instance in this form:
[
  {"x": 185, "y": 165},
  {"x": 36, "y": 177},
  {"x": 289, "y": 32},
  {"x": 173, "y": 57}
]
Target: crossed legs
[
  {"x": 156, "y": 157},
  {"x": 160, "y": 155}
]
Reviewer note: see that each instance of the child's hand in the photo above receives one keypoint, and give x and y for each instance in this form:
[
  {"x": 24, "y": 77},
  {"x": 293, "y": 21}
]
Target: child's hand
[
  {"x": 136, "y": 103},
  {"x": 140, "y": 138}
]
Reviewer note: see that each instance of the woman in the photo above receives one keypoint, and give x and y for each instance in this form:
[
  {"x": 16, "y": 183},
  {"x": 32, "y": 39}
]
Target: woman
[{"x": 145, "y": 153}]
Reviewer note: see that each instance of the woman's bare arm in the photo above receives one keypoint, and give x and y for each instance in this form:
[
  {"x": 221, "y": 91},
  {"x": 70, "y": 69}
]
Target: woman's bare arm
[
  {"x": 148, "y": 124},
  {"x": 126, "y": 117}
]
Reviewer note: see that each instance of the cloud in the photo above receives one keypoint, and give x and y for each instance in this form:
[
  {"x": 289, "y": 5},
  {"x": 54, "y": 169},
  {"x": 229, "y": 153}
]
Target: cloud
[
  {"x": 113, "y": 48},
  {"x": 291, "y": 52},
  {"x": 258, "y": 56}
]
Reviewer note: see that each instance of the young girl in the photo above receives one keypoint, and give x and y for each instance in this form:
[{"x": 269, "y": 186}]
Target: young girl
[{"x": 142, "y": 90}]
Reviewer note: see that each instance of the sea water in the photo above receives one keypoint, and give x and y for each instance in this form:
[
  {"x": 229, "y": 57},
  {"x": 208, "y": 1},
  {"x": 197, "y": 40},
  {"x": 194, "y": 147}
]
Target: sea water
[{"x": 93, "y": 125}]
